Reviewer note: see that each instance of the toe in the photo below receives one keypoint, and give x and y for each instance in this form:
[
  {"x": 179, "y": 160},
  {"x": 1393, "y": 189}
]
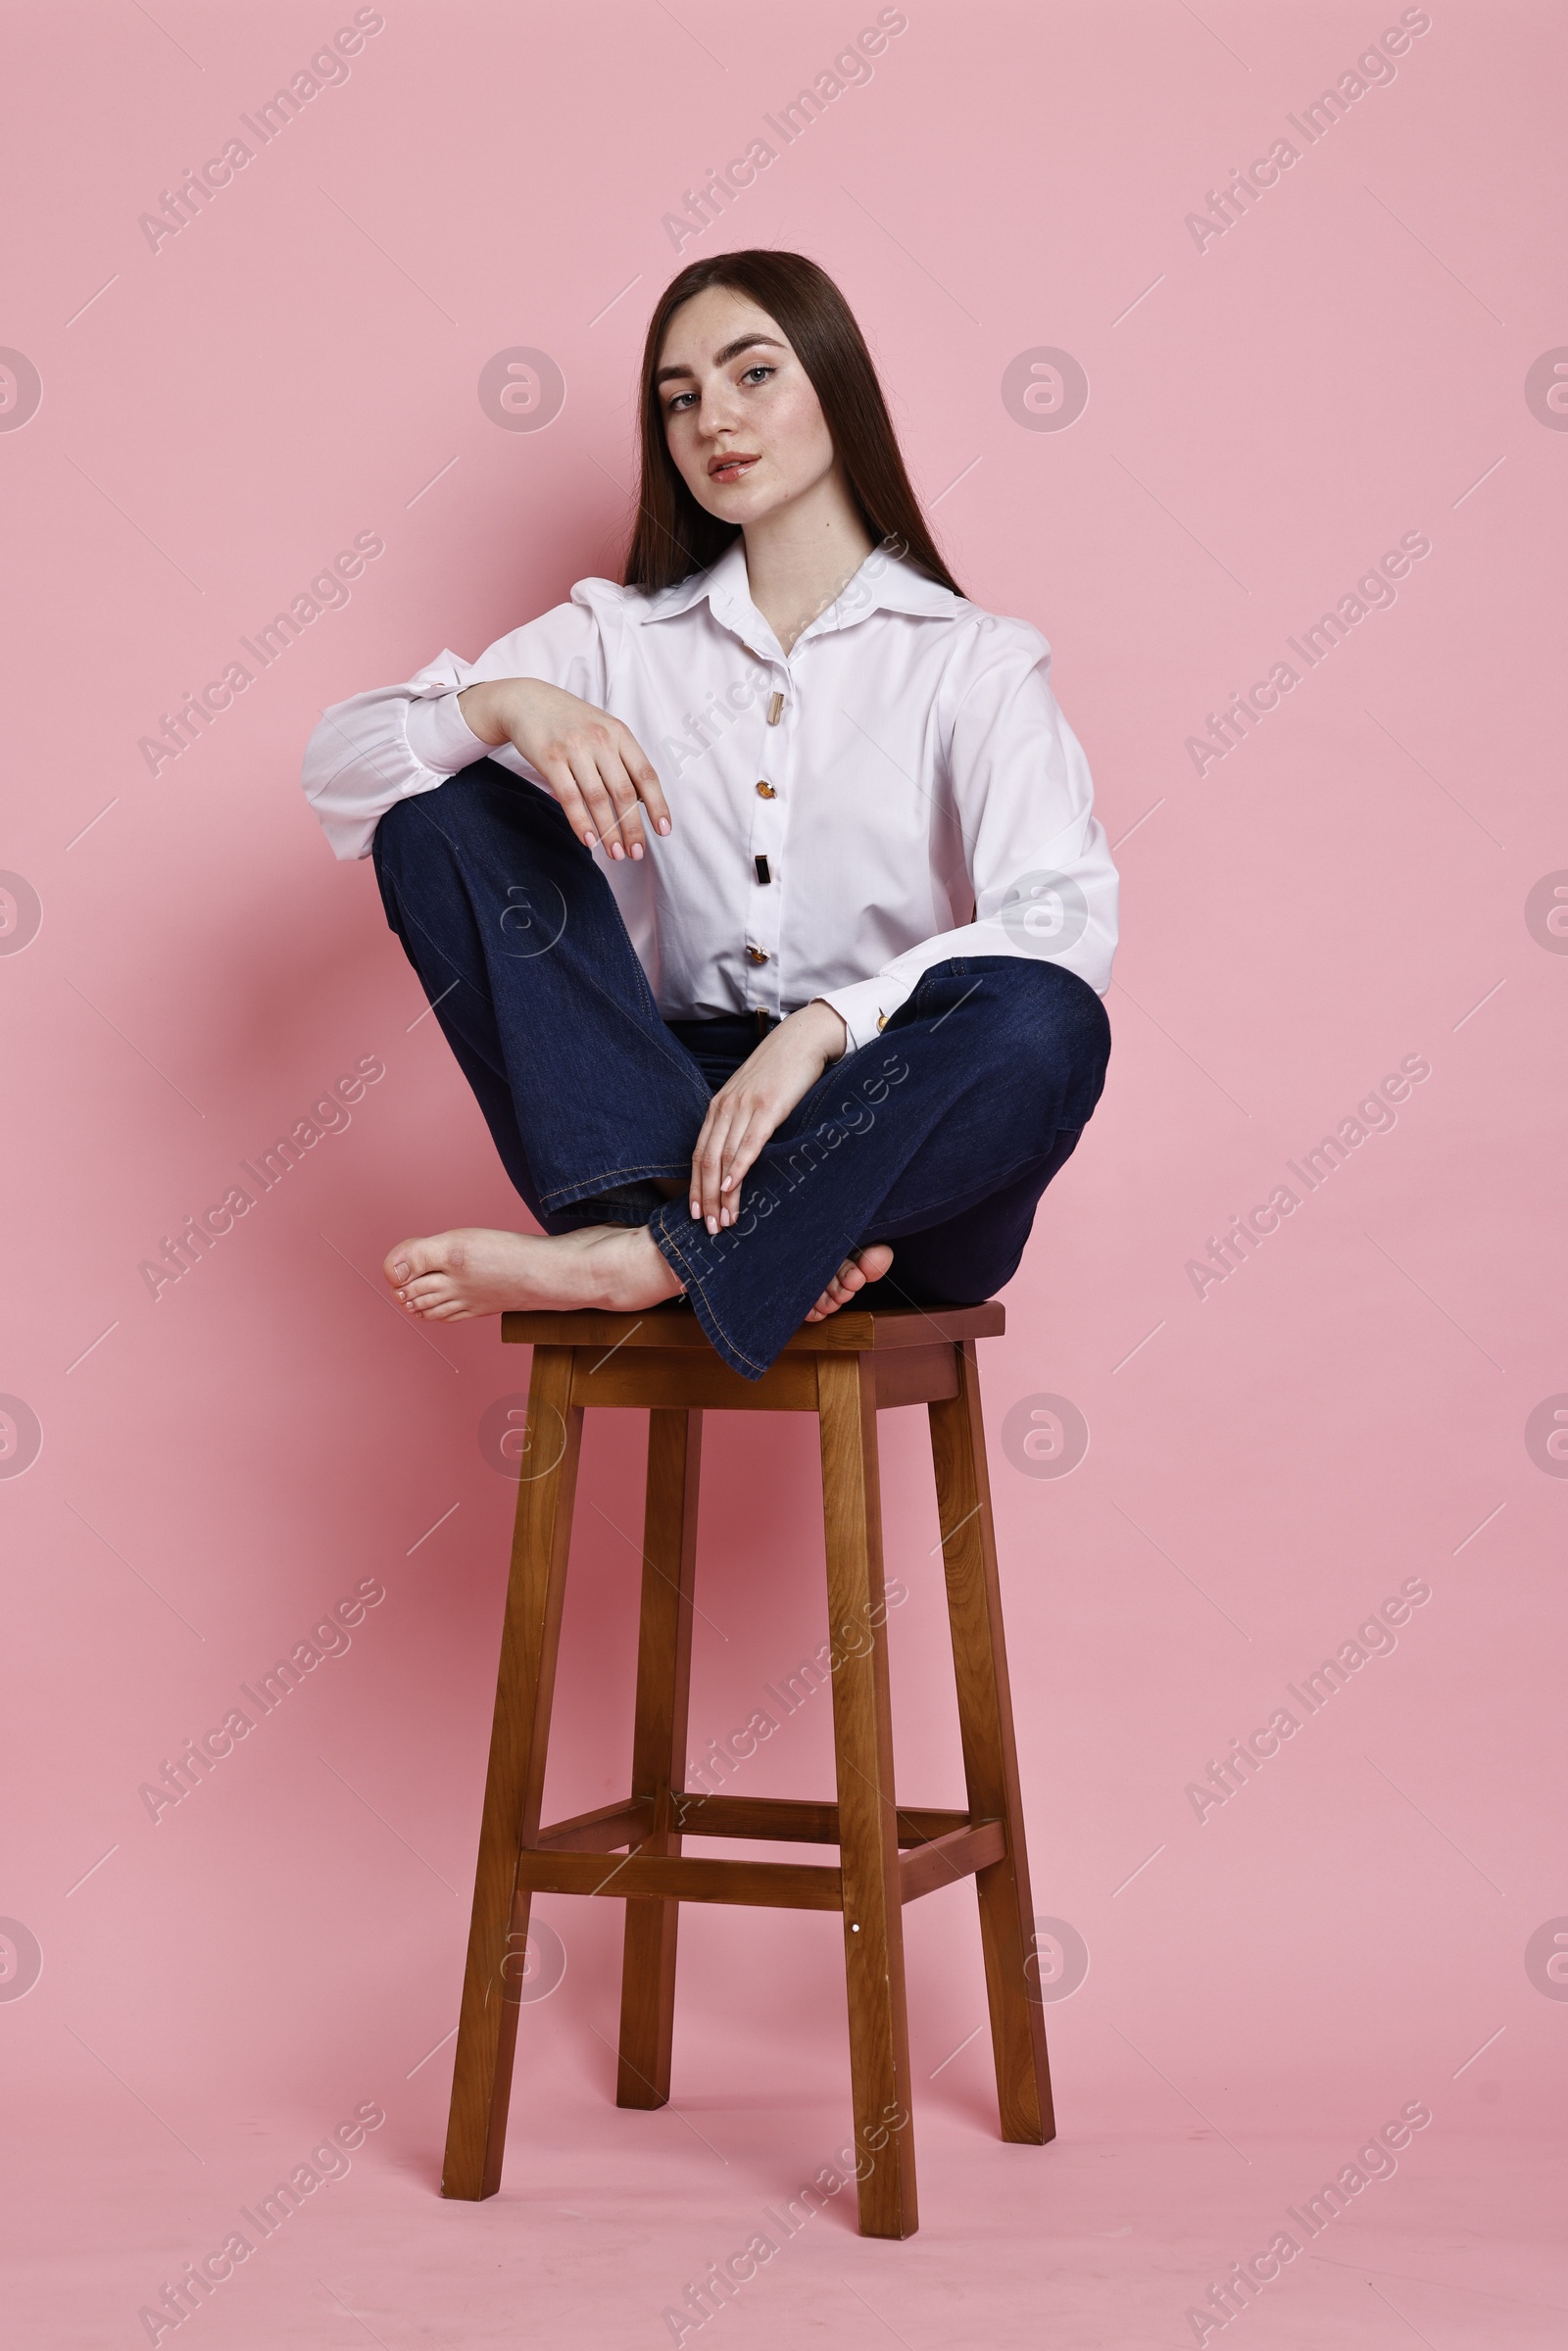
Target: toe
[
  {"x": 410, "y": 1258},
  {"x": 851, "y": 1276},
  {"x": 427, "y": 1291}
]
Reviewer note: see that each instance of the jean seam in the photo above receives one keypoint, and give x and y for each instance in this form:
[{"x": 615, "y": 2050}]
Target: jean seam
[{"x": 585, "y": 1186}]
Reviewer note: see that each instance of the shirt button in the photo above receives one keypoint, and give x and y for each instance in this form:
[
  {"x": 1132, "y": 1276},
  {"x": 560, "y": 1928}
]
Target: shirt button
[
  {"x": 775, "y": 710},
  {"x": 757, "y": 955},
  {"x": 765, "y": 792}
]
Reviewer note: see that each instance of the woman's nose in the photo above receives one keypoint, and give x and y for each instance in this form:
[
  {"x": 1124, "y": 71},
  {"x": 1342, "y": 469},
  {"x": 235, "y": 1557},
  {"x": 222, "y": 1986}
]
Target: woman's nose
[{"x": 718, "y": 412}]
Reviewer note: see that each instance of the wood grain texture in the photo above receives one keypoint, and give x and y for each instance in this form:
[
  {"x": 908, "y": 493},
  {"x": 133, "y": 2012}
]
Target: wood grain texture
[
  {"x": 802, "y": 1823},
  {"x": 683, "y": 1878},
  {"x": 868, "y": 1851},
  {"x": 915, "y": 1375},
  {"x": 943, "y": 1860},
  {"x": 990, "y": 1755},
  {"x": 650, "y": 1379},
  {"x": 846, "y": 1332},
  {"x": 530, "y": 1636},
  {"x": 658, "y": 1746},
  {"x": 603, "y": 1832}
]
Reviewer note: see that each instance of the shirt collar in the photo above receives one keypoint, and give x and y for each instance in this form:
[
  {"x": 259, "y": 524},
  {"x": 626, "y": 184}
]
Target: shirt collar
[{"x": 885, "y": 583}]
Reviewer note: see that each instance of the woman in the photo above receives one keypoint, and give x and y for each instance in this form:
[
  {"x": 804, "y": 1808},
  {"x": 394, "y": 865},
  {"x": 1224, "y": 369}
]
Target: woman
[{"x": 770, "y": 931}]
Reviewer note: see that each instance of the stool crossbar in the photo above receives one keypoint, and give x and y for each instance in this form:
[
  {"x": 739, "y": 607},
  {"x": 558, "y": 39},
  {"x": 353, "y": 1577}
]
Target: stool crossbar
[{"x": 845, "y": 1370}]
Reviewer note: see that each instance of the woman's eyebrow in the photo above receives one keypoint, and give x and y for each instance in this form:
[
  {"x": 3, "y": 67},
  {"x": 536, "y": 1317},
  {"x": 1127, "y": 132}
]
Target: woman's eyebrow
[{"x": 722, "y": 358}]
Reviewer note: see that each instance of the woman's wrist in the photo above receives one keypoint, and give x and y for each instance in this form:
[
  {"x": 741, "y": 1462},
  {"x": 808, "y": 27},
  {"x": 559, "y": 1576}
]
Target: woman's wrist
[
  {"x": 484, "y": 708},
  {"x": 830, "y": 1026}
]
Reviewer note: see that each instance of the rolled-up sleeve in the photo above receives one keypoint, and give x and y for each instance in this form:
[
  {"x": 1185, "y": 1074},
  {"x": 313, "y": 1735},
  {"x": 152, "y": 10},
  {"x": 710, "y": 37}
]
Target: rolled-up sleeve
[
  {"x": 397, "y": 741},
  {"x": 1043, "y": 884}
]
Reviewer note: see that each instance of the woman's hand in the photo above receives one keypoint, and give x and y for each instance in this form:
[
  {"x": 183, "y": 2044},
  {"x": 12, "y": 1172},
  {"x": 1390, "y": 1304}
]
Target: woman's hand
[
  {"x": 757, "y": 1100},
  {"x": 595, "y": 767}
]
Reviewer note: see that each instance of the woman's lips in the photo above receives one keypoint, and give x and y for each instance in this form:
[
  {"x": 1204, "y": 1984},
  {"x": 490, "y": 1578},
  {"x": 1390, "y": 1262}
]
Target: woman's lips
[{"x": 730, "y": 468}]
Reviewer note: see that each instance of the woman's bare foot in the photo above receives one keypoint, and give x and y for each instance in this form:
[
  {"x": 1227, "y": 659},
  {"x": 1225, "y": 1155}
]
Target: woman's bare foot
[
  {"x": 866, "y": 1265},
  {"x": 452, "y": 1277}
]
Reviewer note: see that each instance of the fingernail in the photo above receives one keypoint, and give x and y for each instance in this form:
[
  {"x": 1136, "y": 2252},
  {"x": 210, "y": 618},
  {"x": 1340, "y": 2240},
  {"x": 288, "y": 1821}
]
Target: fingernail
[
  {"x": 724, "y": 1216},
  {"x": 616, "y": 852},
  {"x": 696, "y": 1209},
  {"x": 636, "y": 852},
  {"x": 591, "y": 840},
  {"x": 664, "y": 824},
  {"x": 713, "y": 1224},
  {"x": 728, "y": 1180}
]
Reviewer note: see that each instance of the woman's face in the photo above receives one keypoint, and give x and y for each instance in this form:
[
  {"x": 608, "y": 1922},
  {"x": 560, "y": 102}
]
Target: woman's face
[{"x": 742, "y": 419}]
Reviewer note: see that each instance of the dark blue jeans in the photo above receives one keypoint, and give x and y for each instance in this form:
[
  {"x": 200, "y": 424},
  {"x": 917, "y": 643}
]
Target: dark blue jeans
[{"x": 939, "y": 1135}]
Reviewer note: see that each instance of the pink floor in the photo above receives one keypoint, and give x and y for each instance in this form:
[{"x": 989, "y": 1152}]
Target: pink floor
[{"x": 1111, "y": 2237}]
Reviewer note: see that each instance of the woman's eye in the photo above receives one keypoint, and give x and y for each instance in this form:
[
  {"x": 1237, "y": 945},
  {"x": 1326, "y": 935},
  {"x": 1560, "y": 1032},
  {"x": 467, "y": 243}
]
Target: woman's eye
[
  {"x": 679, "y": 402},
  {"x": 758, "y": 374}
]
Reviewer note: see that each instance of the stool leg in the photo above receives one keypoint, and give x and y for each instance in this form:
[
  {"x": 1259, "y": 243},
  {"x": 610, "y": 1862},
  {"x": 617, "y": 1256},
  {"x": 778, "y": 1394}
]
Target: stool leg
[
  {"x": 658, "y": 1746},
  {"x": 990, "y": 1755},
  {"x": 487, "y": 2028},
  {"x": 868, "y": 1850}
]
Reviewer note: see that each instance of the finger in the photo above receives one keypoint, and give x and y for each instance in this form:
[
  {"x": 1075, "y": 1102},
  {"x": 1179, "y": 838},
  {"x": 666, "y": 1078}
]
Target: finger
[
  {"x": 707, "y": 1161},
  {"x": 564, "y": 784},
  {"x": 693, "y": 1188},
  {"x": 649, "y": 790},
  {"x": 743, "y": 1138},
  {"x": 745, "y": 1143},
  {"x": 603, "y": 813},
  {"x": 622, "y": 792},
  {"x": 742, "y": 1149},
  {"x": 709, "y": 1165}
]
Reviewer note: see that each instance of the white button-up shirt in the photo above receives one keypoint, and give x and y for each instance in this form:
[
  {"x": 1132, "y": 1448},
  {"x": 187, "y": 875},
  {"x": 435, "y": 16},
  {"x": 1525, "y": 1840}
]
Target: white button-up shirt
[{"x": 898, "y": 788}]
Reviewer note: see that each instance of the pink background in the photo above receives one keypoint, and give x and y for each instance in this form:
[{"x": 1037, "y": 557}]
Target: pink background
[{"x": 1266, "y": 1465}]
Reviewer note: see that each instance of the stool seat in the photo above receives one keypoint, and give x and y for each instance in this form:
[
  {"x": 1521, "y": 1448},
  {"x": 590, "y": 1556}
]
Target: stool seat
[
  {"x": 846, "y": 1369},
  {"x": 673, "y": 1324}
]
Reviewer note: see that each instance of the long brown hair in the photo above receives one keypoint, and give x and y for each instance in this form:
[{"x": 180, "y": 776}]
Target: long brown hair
[{"x": 673, "y": 536}]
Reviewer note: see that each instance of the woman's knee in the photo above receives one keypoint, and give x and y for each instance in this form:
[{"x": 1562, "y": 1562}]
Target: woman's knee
[{"x": 1047, "y": 1023}]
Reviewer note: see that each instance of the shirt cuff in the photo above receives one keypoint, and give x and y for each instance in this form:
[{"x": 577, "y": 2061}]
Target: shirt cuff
[
  {"x": 865, "y": 1006},
  {"x": 440, "y": 737}
]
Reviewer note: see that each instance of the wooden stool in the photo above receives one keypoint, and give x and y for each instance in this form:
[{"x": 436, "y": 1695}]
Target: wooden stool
[{"x": 846, "y": 1370}]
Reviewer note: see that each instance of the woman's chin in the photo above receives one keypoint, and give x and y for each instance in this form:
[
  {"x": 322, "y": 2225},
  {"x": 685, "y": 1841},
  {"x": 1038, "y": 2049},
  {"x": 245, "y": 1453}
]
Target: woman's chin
[{"x": 740, "y": 502}]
